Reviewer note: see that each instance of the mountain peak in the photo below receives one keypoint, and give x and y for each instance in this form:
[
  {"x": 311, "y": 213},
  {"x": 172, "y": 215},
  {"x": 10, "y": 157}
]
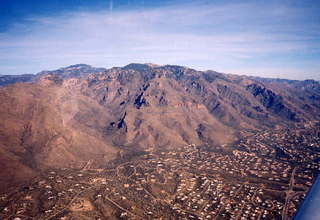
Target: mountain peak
[
  {"x": 137, "y": 66},
  {"x": 152, "y": 64},
  {"x": 77, "y": 70},
  {"x": 81, "y": 65}
]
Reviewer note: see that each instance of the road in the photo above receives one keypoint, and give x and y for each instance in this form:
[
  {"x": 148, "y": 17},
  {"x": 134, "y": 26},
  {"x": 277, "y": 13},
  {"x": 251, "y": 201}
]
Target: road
[{"x": 289, "y": 194}]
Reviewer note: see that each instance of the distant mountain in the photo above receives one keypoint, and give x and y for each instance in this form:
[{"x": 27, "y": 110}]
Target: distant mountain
[
  {"x": 66, "y": 117},
  {"x": 11, "y": 79},
  {"x": 305, "y": 93},
  {"x": 78, "y": 70}
]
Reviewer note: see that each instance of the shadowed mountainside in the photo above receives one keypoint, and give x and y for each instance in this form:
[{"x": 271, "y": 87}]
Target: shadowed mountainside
[{"x": 65, "y": 118}]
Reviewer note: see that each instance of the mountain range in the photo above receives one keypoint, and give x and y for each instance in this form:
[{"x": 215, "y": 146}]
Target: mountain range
[{"x": 76, "y": 114}]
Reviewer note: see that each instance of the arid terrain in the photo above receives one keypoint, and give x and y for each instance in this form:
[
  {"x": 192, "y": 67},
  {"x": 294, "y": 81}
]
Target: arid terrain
[{"x": 155, "y": 142}]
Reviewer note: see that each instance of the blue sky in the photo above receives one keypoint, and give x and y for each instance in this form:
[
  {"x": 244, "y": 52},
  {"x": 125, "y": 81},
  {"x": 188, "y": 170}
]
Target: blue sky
[{"x": 264, "y": 38}]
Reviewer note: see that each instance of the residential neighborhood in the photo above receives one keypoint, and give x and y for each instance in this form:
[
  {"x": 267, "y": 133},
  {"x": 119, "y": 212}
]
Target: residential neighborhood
[{"x": 263, "y": 176}]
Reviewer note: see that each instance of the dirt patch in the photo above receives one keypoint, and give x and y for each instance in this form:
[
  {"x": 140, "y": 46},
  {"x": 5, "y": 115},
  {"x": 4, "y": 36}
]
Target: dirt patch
[{"x": 81, "y": 205}]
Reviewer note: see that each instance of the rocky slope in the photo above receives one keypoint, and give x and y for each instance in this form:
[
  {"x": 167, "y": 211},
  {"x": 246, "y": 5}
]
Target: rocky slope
[{"x": 73, "y": 115}]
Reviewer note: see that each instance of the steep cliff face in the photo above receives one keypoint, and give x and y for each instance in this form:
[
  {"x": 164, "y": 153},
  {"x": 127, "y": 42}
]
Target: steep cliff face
[{"x": 68, "y": 117}]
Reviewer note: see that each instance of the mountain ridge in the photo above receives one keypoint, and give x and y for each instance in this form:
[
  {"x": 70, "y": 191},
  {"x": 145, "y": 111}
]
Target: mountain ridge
[
  {"x": 6, "y": 79},
  {"x": 67, "y": 117}
]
